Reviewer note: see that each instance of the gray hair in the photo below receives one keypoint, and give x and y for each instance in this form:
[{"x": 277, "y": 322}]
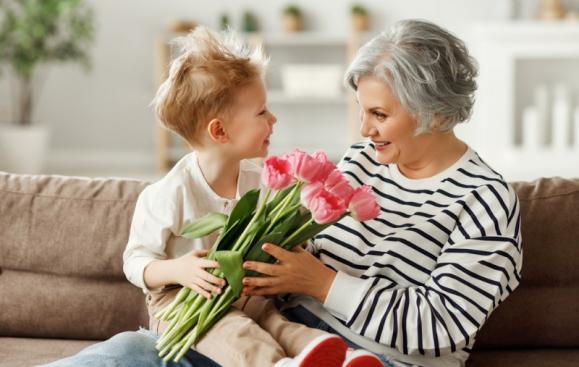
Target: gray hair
[{"x": 428, "y": 69}]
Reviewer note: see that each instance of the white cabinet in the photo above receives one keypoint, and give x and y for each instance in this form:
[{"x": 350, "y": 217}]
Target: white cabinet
[{"x": 516, "y": 61}]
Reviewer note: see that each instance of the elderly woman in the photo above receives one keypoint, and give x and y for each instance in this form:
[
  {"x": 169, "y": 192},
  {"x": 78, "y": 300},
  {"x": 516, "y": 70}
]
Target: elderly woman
[{"x": 417, "y": 283}]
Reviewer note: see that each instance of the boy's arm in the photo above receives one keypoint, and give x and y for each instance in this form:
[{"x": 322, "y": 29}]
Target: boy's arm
[{"x": 188, "y": 270}]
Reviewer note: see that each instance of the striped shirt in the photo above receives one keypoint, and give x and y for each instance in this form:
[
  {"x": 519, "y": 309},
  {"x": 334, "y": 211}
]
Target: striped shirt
[{"x": 418, "y": 282}]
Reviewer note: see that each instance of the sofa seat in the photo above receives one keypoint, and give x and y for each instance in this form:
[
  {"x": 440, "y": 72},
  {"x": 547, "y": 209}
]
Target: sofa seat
[
  {"x": 525, "y": 358},
  {"x": 26, "y": 352}
]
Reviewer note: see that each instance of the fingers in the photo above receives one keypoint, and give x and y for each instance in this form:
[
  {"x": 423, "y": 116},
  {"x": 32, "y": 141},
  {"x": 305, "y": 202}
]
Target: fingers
[
  {"x": 200, "y": 291},
  {"x": 210, "y": 278},
  {"x": 276, "y": 251},
  {"x": 299, "y": 249},
  {"x": 204, "y": 263},
  {"x": 205, "y": 288},
  {"x": 259, "y": 281},
  {"x": 263, "y": 268}
]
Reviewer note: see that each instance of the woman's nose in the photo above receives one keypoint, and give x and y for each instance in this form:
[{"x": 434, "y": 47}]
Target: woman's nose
[{"x": 366, "y": 129}]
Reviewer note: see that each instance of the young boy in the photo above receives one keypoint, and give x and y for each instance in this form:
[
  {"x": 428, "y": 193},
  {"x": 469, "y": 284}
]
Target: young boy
[{"x": 215, "y": 99}]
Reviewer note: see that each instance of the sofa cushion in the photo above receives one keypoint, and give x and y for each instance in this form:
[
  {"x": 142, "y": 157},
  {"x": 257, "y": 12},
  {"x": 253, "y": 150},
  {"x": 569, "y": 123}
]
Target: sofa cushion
[
  {"x": 26, "y": 352},
  {"x": 64, "y": 225},
  {"x": 542, "y": 312},
  {"x": 53, "y": 306}
]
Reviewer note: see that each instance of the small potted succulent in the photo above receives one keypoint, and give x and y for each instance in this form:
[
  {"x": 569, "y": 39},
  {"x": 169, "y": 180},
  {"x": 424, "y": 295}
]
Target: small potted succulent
[
  {"x": 292, "y": 18},
  {"x": 360, "y": 18}
]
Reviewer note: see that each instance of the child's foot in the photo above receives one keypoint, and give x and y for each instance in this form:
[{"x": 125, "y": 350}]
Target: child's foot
[
  {"x": 323, "y": 351},
  {"x": 361, "y": 358}
]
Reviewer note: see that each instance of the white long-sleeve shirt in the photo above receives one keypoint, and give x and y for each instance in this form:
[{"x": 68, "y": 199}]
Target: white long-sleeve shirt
[
  {"x": 419, "y": 281},
  {"x": 164, "y": 208}
]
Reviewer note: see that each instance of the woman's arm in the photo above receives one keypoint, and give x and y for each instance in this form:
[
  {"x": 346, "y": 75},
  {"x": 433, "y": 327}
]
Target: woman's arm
[{"x": 296, "y": 271}]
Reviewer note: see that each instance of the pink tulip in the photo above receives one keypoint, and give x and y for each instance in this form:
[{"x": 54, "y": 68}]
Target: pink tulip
[
  {"x": 305, "y": 167},
  {"x": 326, "y": 166},
  {"x": 337, "y": 184},
  {"x": 309, "y": 192},
  {"x": 363, "y": 205},
  {"x": 276, "y": 173},
  {"x": 326, "y": 207}
]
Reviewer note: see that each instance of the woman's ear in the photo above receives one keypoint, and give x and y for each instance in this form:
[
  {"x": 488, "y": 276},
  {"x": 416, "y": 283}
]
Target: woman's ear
[
  {"x": 217, "y": 132},
  {"x": 436, "y": 123}
]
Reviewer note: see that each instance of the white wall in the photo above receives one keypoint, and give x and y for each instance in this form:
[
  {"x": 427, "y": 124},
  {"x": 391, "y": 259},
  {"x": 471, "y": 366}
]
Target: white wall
[{"x": 107, "y": 109}]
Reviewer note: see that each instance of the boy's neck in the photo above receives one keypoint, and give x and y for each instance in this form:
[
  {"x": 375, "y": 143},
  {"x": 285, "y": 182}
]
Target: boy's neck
[{"x": 220, "y": 173}]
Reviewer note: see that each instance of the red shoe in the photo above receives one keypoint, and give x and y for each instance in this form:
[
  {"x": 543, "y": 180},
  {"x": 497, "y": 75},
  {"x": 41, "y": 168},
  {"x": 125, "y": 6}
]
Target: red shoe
[
  {"x": 324, "y": 351},
  {"x": 361, "y": 358}
]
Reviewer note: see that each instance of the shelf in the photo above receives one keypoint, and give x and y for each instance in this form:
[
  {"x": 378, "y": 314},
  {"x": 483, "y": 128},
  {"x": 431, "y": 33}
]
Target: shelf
[
  {"x": 280, "y": 97},
  {"x": 300, "y": 39}
]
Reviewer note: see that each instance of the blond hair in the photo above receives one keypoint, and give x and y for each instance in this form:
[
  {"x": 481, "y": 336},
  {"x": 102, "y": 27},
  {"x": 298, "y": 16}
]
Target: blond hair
[{"x": 202, "y": 81}]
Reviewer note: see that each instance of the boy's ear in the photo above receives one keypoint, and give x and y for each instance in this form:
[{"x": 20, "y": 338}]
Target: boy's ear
[{"x": 217, "y": 132}]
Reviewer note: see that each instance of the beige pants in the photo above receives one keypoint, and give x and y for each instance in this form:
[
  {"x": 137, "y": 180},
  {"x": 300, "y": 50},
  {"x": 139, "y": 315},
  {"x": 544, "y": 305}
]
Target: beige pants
[{"x": 253, "y": 333}]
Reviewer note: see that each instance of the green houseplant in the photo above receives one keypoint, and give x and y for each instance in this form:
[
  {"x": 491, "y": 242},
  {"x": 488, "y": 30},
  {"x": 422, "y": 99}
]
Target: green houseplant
[
  {"x": 360, "y": 18},
  {"x": 292, "y": 18},
  {"x": 34, "y": 33}
]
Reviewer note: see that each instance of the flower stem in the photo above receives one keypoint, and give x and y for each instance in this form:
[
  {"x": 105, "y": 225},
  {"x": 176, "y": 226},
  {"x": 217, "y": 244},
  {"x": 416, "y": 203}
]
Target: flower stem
[
  {"x": 300, "y": 230},
  {"x": 279, "y": 210},
  {"x": 241, "y": 238}
]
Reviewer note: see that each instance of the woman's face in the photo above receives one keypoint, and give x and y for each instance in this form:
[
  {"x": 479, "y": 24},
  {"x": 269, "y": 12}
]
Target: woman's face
[{"x": 386, "y": 123}]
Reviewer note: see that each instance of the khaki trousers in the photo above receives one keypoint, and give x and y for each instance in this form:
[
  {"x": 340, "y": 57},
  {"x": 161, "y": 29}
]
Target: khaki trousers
[{"x": 253, "y": 333}]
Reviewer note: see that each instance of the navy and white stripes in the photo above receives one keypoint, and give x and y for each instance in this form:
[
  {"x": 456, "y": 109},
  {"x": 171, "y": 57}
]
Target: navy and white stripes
[{"x": 425, "y": 275}]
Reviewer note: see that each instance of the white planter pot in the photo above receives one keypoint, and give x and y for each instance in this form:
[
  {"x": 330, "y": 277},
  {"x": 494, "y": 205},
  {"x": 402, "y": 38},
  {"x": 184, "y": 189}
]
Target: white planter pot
[{"x": 23, "y": 149}]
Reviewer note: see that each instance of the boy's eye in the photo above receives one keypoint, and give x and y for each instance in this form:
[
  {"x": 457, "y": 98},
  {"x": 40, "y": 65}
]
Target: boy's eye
[{"x": 263, "y": 112}]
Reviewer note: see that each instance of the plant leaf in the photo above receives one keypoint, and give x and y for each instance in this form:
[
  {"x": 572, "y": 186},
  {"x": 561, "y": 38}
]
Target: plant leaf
[
  {"x": 204, "y": 225},
  {"x": 245, "y": 206},
  {"x": 230, "y": 263}
]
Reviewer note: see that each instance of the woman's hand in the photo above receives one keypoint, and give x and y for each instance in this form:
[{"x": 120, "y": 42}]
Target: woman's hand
[
  {"x": 297, "y": 271},
  {"x": 189, "y": 271}
]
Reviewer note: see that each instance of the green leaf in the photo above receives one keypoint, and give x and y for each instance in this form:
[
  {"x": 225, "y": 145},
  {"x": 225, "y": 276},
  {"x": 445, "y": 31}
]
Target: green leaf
[
  {"x": 291, "y": 221},
  {"x": 245, "y": 206},
  {"x": 230, "y": 263},
  {"x": 205, "y": 225}
]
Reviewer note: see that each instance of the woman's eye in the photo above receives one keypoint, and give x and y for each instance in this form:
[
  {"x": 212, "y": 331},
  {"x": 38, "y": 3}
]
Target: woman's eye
[{"x": 380, "y": 116}]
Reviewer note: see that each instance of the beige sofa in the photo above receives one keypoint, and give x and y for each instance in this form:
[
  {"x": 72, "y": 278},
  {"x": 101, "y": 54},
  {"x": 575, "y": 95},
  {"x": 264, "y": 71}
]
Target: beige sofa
[{"x": 62, "y": 286}]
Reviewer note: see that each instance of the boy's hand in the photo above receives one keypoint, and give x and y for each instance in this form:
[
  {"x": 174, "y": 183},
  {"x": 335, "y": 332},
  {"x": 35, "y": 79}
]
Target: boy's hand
[{"x": 190, "y": 272}]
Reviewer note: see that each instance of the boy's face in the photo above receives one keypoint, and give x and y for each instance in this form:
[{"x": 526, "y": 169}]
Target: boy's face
[{"x": 251, "y": 123}]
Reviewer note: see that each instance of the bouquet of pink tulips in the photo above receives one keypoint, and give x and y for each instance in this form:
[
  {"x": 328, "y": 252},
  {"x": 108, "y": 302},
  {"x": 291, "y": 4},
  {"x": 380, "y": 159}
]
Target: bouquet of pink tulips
[{"x": 308, "y": 193}]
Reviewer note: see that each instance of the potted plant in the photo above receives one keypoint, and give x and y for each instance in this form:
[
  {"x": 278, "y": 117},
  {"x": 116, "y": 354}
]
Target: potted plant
[
  {"x": 292, "y": 18},
  {"x": 360, "y": 18},
  {"x": 249, "y": 22},
  {"x": 33, "y": 33}
]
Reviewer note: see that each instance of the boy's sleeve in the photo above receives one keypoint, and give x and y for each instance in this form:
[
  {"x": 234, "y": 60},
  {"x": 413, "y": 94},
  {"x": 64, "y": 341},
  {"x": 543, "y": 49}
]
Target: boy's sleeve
[{"x": 154, "y": 220}]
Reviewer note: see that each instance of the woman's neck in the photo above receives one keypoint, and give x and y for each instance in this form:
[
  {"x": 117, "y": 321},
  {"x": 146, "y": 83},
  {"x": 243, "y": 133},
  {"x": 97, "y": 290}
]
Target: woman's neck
[
  {"x": 437, "y": 152},
  {"x": 221, "y": 174}
]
